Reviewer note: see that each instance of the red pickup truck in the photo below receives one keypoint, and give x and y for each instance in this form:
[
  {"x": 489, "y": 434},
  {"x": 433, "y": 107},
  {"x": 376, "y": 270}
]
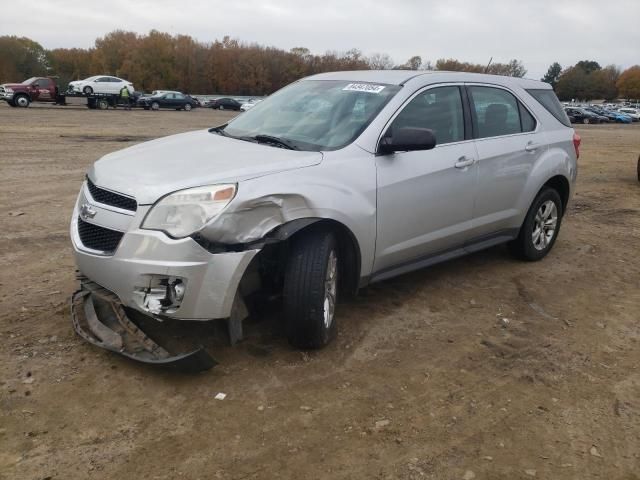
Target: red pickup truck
[{"x": 35, "y": 89}]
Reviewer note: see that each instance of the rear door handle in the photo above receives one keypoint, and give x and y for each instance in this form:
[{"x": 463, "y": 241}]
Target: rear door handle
[
  {"x": 531, "y": 147},
  {"x": 464, "y": 162}
]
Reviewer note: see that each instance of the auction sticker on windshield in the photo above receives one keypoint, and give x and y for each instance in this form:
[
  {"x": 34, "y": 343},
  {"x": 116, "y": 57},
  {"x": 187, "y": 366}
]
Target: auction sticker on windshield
[{"x": 364, "y": 87}]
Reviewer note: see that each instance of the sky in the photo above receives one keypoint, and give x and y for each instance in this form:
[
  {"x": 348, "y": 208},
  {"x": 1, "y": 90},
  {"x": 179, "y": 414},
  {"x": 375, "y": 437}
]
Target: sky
[{"x": 537, "y": 32}]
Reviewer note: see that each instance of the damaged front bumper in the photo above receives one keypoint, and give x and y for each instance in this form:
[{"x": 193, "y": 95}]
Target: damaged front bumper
[{"x": 99, "y": 317}]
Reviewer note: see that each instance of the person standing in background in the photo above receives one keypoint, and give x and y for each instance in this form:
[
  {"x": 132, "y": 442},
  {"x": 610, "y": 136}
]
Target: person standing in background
[{"x": 125, "y": 98}]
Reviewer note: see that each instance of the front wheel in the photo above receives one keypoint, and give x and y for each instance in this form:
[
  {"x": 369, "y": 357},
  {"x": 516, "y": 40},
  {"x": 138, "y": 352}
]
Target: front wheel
[
  {"x": 87, "y": 90},
  {"x": 540, "y": 228},
  {"x": 22, "y": 101},
  {"x": 155, "y": 106},
  {"x": 585, "y": 121},
  {"x": 187, "y": 107},
  {"x": 221, "y": 107},
  {"x": 311, "y": 288}
]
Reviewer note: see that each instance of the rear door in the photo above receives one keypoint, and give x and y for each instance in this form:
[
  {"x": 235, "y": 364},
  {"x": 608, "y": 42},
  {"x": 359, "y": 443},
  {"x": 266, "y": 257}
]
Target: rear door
[
  {"x": 509, "y": 141},
  {"x": 425, "y": 198}
]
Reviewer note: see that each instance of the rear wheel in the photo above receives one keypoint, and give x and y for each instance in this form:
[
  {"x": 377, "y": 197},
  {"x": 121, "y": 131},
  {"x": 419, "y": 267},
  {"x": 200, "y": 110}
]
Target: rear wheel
[
  {"x": 21, "y": 101},
  {"x": 540, "y": 228},
  {"x": 310, "y": 289},
  {"x": 102, "y": 104}
]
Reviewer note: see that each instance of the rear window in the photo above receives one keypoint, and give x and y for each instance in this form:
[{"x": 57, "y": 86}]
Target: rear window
[{"x": 548, "y": 99}]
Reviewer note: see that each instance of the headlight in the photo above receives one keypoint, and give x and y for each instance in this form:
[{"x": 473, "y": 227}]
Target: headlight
[
  {"x": 8, "y": 90},
  {"x": 182, "y": 213}
]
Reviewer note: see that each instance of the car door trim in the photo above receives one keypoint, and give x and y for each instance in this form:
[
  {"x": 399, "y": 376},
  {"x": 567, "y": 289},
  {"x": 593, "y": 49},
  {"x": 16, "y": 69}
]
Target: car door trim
[{"x": 474, "y": 245}]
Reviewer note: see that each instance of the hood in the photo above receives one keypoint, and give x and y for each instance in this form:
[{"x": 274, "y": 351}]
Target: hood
[
  {"x": 153, "y": 169},
  {"x": 13, "y": 85}
]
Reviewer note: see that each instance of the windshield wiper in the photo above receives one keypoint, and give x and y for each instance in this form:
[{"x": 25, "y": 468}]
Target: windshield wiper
[
  {"x": 219, "y": 129},
  {"x": 281, "y": 142}
]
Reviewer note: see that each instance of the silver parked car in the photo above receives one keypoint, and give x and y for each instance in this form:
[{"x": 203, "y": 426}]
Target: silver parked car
[{"x": 334, "y": 182}]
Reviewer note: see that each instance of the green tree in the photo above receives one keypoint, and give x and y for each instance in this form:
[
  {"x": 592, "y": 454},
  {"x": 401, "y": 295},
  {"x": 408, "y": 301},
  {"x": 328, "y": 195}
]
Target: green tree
[
  {"x": 553, "y": 73},
  {"x": 20, "y": 58},
  {"x": 588, "y": 65}
]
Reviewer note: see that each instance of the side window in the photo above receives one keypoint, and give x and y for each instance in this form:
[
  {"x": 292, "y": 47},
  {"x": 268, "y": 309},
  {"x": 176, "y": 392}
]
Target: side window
[
  {"x": 179, "y": 96},
  {"x": 102, "y": 79},
  {"x": 526, "y": 119},
  {"x": 496, "y": 111},
  {"x": 439, "y": 109}
]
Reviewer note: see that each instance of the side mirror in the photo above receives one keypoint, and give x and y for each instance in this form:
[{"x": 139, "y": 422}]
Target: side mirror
[{"x": 408, "y": 139}]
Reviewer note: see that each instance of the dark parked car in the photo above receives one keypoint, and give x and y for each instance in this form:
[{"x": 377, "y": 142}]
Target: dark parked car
[
  {"x": 225, "y": 104},
  {"x": 580, "y": 115},
  {"x": 176, "y": 100}
]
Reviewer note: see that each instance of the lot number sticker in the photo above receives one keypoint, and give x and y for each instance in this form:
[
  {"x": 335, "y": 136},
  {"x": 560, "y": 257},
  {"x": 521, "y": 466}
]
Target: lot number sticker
[{"x": 364, "y": 87}]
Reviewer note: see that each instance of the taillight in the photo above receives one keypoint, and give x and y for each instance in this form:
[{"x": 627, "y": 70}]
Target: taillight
[{"x": 576, "y": 144}]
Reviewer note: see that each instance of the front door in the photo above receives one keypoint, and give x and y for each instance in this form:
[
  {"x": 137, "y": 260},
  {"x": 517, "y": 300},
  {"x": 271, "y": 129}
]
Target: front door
[{"x": 425, "y": 198}]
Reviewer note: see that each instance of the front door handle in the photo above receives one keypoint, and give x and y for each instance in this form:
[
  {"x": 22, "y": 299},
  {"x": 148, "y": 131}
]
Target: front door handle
[
  {"x": 464, "y": 162},
  {"x": 531, "y": 147}
]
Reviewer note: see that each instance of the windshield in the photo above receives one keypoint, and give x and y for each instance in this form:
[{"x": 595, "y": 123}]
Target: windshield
[
  {"x": 29, "y": 80},
  {"x": 314, "y": 114}
]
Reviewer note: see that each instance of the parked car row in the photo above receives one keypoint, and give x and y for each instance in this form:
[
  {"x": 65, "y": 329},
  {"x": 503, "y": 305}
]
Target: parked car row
[{"x": 599, "y": 114}]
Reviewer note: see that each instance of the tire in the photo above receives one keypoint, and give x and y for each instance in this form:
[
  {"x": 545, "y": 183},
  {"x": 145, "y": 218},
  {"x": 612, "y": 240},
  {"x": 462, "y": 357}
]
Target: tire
[
  {"x": 87, "y": 90},
  {"x": 21, "y": 101},
  {"x": 102, "y": 104},
  {"x": 545, "y": 210},
  {"x": 155, "y": 106},
  {"x": 310, "y": 289},
  {"x": 187, "y": 107},
  {"x": 586, "y": 121},
  {"x": 221, "y": 107}
]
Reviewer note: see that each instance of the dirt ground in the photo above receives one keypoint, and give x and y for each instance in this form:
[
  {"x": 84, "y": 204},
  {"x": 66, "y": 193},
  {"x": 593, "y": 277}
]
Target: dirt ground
[{"x": 484, "y": 367}]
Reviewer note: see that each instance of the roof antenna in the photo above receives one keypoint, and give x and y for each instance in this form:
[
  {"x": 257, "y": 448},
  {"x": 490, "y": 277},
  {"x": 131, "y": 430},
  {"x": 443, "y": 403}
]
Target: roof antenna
[{"x": 486, "y": 69}]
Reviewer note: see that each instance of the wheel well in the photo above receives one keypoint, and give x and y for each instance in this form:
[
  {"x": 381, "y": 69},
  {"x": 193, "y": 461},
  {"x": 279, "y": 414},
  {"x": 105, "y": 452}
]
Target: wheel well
[
  {"x": 24, "y": 94},
  {"x": 271, "y": 260},
  {"x": 561, "y": 185}
]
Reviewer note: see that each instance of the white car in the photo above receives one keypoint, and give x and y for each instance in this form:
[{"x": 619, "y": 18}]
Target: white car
[
  {"x": 100, "y": 84},
  {"x": 249, "y": 105}
]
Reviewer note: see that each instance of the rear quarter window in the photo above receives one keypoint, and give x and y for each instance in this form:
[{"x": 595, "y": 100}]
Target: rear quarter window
[{"x": 548, "y": 99}]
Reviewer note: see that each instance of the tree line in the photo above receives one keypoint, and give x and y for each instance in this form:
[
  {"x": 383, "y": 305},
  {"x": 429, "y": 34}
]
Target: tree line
[
  {"x": 587, "y": 80},
  {"x": 159, "y": 60}
]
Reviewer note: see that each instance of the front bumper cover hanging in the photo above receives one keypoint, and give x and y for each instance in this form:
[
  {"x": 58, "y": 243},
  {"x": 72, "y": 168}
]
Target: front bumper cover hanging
[{"x": 99, "y": 317}]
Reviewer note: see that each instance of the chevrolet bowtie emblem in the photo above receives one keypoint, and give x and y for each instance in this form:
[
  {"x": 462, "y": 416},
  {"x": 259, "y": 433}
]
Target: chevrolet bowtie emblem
[{"x": 86, "y": 211}]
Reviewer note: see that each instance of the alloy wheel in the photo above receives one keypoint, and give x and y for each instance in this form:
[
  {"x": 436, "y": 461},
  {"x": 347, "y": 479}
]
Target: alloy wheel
[
  {"x": 330, "y": 289},
  {"x": 544, "y": 225}
]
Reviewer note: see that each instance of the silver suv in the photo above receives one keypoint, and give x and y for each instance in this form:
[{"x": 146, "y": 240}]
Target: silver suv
[{"x": 334, "y": 182}]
